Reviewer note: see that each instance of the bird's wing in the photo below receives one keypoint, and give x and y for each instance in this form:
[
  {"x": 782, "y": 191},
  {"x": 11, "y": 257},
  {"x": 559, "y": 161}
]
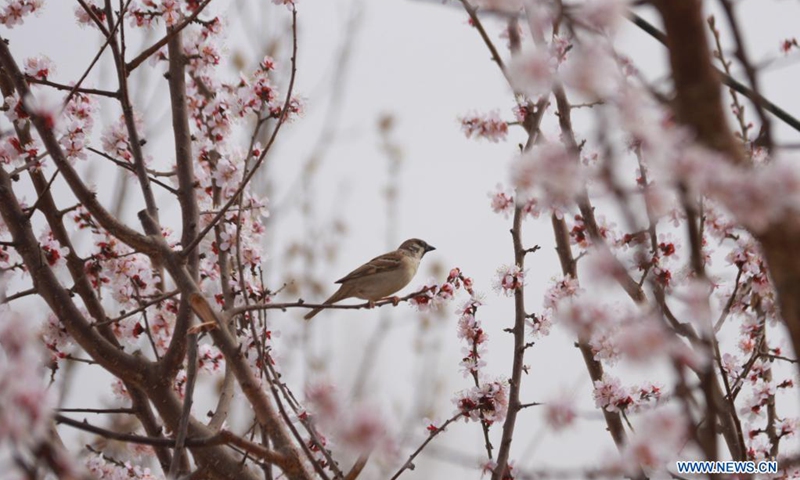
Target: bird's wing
[{"x": 384, "y": 263}]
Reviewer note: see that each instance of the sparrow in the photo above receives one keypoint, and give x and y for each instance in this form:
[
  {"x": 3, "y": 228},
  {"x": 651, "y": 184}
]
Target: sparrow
[{"x": 382, "y": 276}]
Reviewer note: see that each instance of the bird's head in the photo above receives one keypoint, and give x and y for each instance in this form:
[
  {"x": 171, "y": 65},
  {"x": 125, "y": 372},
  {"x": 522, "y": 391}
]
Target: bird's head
[{"x": 416, "y": 247}]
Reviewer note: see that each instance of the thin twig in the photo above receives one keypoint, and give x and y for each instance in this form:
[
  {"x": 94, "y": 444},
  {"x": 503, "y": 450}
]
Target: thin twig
[{"x": 409, "y": 465}]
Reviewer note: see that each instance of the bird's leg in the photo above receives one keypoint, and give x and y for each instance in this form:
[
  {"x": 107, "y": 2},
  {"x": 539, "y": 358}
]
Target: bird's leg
[
  {"x": 370, "y": 304},
  {"x": 394, "y": 299}
]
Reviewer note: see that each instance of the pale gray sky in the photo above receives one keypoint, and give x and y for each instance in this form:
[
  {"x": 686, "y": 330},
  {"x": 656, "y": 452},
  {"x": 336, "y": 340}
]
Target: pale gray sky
[{"x": 422, "y": 63}]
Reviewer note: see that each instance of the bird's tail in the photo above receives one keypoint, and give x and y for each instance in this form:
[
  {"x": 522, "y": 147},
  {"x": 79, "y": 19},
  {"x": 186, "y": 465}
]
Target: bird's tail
[
  {"x": 337, "y": 296},
  {"x": 312, "y": 313}
]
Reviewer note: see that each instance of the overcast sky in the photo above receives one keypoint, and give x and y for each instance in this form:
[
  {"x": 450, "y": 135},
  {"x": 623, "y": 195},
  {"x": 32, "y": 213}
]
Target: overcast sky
[{"x": 420, "y": 62}]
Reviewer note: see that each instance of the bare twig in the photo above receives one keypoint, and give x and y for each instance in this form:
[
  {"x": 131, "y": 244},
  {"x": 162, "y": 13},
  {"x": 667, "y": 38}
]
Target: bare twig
[{"x": 409, "y": 465}]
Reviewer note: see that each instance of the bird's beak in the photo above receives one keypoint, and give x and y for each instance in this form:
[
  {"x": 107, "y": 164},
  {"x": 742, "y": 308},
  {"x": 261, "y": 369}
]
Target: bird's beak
[{"x": 429, "y": 248}]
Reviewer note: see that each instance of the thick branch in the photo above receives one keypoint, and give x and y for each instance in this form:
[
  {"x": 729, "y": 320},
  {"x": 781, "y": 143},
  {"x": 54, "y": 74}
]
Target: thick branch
[{"x": 186, "y": 195}]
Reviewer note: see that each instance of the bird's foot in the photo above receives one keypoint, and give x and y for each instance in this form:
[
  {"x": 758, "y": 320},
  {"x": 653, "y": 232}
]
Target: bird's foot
[
  {"x": 370, "y": 304},
  {"x": 395, "y": 300}
]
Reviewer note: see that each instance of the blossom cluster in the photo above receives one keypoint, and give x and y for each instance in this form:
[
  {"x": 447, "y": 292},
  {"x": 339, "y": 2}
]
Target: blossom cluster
[
  {"x": 471, "y": 331},
  {"x": 509, "y": 279},
  {"x": 488, "y": 126},
  {"x": 502, "y": 201},
  {"x": 610, "y": 395},
  {"x": 361, "y": 428},
  {"x": 14, "y": 11},
  {"x": 433, "y": 295},
  {"x": 660, "y": 437},
  {"x": 106, "y": 469},
  {"x": 487, "y": 402},
  {"x": 28, "y": 404},
  {"x": 560, "y": 413},
  {"x": 549, "y": 173}
]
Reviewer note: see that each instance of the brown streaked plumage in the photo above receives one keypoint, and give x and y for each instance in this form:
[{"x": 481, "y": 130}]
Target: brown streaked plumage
[{"x": 382, "y": 276}]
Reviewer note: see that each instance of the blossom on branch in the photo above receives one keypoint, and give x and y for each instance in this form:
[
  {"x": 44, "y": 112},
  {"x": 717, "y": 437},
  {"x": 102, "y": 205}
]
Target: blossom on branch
[
  {"x": 509, "y": 279},
  {"x": 39, "y": 67},
  {"x": 549, "y": 172},
  {"x": 488, "y": 403},
  {"x": 14, "y": 12},
  {"x": 27, "y": 403},
  {"x": 488, "y": 126},
  {"x": 532, "y": 73},
  {"x": 502, "y": 201}
]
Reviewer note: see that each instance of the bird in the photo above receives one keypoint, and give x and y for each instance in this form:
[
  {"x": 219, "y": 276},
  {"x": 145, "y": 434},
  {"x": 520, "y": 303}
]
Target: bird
[{"x": 382, "y": 276}]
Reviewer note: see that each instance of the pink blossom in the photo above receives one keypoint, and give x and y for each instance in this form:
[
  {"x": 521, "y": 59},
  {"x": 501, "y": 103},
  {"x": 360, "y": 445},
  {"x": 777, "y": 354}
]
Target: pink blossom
[
  {"x": 643, "y": 120},
  {"x": 659, "y": 439},
  {"x": 605, "y": 346},
  {"x": 489, "y": 402},
  {"x": 761, "y": 394},
  {"x": 16, "y": 10},
  {"x": 758, "y": 370},
  {"x": 210, "y": 359},
  {"x": 84, "y": 18},
  {"x": 27, "y": 402},
  {"x": 12, "y": 152},
  {"x": 295, "y": 109},
  {"x": 646, "y": 396},
  {"x": 532, "y": 73},
  {"x": 74, "y": 142},
  {"x": 642, "y": 339},
  {"x": 579, "y": 235},
  {"x": 488, "y": 126},
  {"x": 604, "y": 15},
  {"x": 559, "y": 48},
  {"x": 56, "y": 338},
  {"x": 171, "y": 12},
  {"x": 591, "y": 70},
  {"x": 731, "y": 366},
  {"x": 530, "y": 208},
  {"x": 539, "y": 325},
  {"x": 14, "y": 108},
  {"x": 502, "y": 201},
  {"x": 585, "y": 317},
  {"x": 567, "y": 287},
  {"x": 549, "y": 172},
  {"x": 508, "y": 6},
  {"x": 509, "y": 279},
  {"x": 434, "y": 296},
  {"x": 560, "y": 413},
  {"x": 39, "y": 67},
  {"x": 99, "y": 468},
  {"x": 364, "y": 431},
  {"x": 114, "y": 140},
  {"x": 473, "y": 361},
  {"x": 788, "y": 45},
  {"x": 45, "y": 105},
  {"x": 53, "y": 251},
  {"x": 610, "y": 395},
  {"x": 521, "y": 112},
  {"x": 427, "y": 300},
  {"x": 322, "y": 398},
  {"x": 756, "y": 196},
  {"x": 786, "y": 427},
  {"x": 470, "y": 329}
]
